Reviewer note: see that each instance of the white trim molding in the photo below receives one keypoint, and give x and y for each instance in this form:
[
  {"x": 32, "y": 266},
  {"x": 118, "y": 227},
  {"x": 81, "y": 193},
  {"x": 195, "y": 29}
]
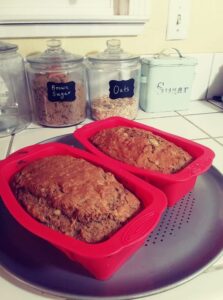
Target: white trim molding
[{"x": 113, "y": 18}]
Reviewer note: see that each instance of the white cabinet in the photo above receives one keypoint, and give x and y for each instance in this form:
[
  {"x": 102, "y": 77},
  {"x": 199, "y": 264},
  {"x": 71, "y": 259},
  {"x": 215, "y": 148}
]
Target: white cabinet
[{"x": 31, "y": 18}]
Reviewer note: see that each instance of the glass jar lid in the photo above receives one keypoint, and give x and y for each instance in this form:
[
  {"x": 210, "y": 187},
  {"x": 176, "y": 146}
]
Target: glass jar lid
[
  {"x": 5, "y": 47},
  {"x": 112, "y": 53},
  {"x": 54, "y": 54}
]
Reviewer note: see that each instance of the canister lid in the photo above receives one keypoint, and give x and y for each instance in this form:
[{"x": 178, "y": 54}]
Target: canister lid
[
  {"x": 169, "y": 61},
  {"x": 4, "y": 47},
  {"x": 54, "y": 54},
  {"x": 113, "y": 53}
]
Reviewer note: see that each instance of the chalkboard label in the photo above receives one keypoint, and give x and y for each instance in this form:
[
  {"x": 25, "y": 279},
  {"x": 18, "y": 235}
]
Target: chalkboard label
[
  {"x": 61, "y": 91},
  {"x": 121, "y": 88}
]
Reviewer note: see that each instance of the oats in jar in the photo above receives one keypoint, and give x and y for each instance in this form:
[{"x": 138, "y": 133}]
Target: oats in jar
[
  {"x": 114, "y": 82},
  {"x": 105, "y": 107}
]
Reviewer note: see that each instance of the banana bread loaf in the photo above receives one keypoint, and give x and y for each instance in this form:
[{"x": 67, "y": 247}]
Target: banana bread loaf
[
  {"x": 141, "y": 148},
  {"x": 75, "y": 197}
]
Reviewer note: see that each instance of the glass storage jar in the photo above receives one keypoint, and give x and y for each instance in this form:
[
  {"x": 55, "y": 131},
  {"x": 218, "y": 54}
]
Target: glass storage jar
[
  {"x": 57, "y": 83},
  {"x": 15, "y": 109},
  {"x": 114, "y": 82}
]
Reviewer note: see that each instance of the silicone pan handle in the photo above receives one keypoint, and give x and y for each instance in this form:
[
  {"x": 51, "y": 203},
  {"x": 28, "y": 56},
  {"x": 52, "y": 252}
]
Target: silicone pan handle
[
  {"x": 202, "y": 164},
  {"x": 140, "y": 227}
]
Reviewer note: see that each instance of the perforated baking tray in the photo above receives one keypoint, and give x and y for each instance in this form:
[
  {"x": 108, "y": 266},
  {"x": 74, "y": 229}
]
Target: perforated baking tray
[{"x": 188, "y": 239}]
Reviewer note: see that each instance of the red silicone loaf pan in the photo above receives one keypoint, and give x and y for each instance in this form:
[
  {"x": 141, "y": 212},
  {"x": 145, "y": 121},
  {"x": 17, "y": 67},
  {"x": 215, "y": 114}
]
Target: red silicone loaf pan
[
  {"x": 101, "y": 259},
  {"x": 176, "y": 185}
]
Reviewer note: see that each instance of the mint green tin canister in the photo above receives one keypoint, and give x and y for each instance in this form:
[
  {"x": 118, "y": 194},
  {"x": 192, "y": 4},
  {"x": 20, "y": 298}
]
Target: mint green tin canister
[{"x": 166, "y": 82}]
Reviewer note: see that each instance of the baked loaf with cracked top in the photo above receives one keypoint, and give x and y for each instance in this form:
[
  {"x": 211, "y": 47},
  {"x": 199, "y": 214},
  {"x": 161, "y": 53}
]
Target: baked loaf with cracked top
[
  {"x": 141, "y": 148},
  {"x": 75, "y": 197}
]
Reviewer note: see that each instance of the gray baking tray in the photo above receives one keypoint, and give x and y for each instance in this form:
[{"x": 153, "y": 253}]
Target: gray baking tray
[{"x": 188, "y": 239}]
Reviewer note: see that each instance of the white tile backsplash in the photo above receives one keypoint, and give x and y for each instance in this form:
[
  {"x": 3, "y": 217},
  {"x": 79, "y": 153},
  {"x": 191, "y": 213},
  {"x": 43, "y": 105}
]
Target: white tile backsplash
[
  {"x": 202, "y": 75},
  {"x": 220, "y": 140},
  {"x": 216, "y": 77},
  {"x": 212, "y": 124},
  {"x": 34, "y": 125},
  {"x": 4, "y": 143},
  {"x": 145, "y": 115},
  {"x": 199, "y": 107},
  {"x": 176, "y": 125},
  {"x": 86, "y": 121},
  {"x": 33, "y": 136}
]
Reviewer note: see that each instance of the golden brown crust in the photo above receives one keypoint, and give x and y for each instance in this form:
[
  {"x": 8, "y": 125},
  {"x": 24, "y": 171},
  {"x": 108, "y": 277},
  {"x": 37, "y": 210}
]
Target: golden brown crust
[
  {"x": 141, "y": 148},
  {"x": 75, "y": 197}
]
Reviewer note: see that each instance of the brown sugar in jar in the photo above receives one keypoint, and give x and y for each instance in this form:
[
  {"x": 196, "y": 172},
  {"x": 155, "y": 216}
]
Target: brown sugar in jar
[{"x": 57, "y": 85}]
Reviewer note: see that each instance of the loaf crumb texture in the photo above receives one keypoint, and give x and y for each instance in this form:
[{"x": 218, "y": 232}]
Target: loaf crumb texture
[
  {"x": 75, "y": 197},
  {"x": 141, "y": 148}
]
